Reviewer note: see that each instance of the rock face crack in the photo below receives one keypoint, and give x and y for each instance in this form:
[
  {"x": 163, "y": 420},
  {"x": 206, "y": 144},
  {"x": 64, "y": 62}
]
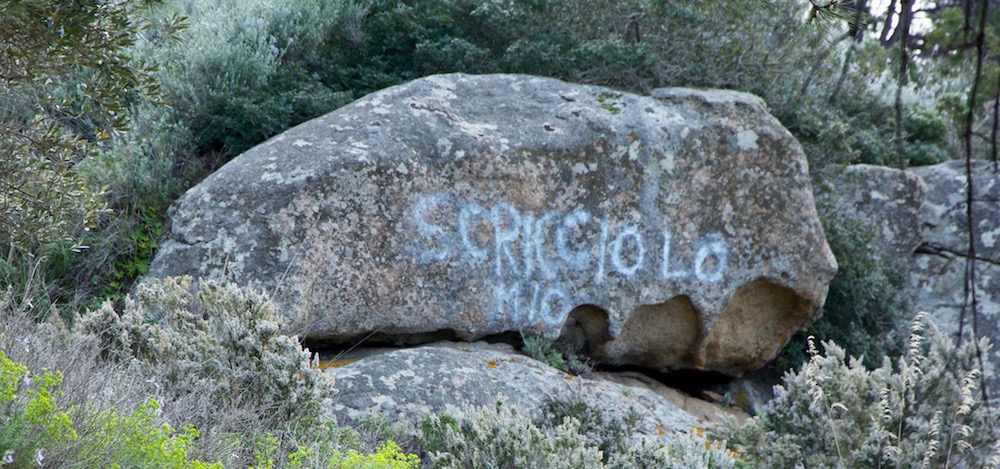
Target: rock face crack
[
  {"x": 936, "y": 249},
  {"x": 425, "y": 107}
]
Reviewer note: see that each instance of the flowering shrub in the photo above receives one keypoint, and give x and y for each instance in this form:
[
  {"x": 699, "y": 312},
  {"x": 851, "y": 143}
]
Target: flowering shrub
[
  {"x": 926, "y": 411},
  {"x": 215, "y": 341},
  {"x": 502, "y": 437},
  {"x": 35, "y": 429}
]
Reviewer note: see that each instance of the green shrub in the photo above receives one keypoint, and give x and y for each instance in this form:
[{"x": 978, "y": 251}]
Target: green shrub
[
  {"x": 36, "y": 428},
  {"x": 219, "y": 343},
  {"x": 244, "y": 70},
  {"x": 108, "y": 400},
  {"x": 331, "y": 447},
  {"x": 501, "y": 436},
  {"x": 865, "y": 307},
  {"x": 926, "y": 137},
  {"x": 29, "y": 418},
  {"x": 388, "y": 456},
  {"x": 926, "y": 411},
  {"x": 67, "y": 84},
  {"x": 137, "y": 440},
  {"x": 220, "y": 359},
  {"x": 542, "y": 350},
  {"x": 137, "y": 169},
  {"x": 609, "y": 434},
  {"x": 545, "y": 351}
]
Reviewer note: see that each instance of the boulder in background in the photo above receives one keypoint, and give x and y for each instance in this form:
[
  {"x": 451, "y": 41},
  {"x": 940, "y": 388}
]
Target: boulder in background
[{"x": 940, "y": 263}]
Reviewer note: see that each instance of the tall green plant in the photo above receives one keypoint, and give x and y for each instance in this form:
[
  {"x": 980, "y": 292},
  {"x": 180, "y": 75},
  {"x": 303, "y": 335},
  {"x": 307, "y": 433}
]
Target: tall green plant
[
  {"x": 67, "y": 81},
  {"x": 244, "y": 71}
]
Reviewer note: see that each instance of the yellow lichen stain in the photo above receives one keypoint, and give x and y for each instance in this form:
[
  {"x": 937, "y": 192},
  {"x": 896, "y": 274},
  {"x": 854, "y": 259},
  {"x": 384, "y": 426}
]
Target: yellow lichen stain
[
  {"x": 492, "y": 365},
  {"x": 322, "y": 365}
]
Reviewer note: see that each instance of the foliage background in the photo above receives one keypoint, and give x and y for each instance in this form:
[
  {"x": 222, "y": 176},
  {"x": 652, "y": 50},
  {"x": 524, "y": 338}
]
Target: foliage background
[{"x": 111, "y": 109}]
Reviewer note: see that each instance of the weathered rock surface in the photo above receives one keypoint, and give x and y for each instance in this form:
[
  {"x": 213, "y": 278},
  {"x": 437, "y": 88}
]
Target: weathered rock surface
[
  {"x": 407, "y": 384},
  {"x": 940, "y": 264},
  {"x": 676, "y": 230},
  {"x": 884, "y": 201}
]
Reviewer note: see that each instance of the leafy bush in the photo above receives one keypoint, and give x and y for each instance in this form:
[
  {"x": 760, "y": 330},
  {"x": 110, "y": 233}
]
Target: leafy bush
[
  {"x": 924, "y": 412},
  {"x": 124, "y": 408},
  {"x": 244, "y": 69},
  {"x": 502, "y": 437},
  {"x": 545, "y": 351},
  {"x": 35, "y": 427},
  {"x": 28, "y": 414},
  {"x": 542, "y": 350},
  {"x": 66, "y": 84},
  {"x": 218, "y": 342},
  {"x": 137, "y": 168},
  {"x": 865, "y": 309},
  {"x": 388, "y": 456},
  {"x": 137, "y": 440},
  {"x": 609, "y": 434},
  {"x": 926, "y": 137}
]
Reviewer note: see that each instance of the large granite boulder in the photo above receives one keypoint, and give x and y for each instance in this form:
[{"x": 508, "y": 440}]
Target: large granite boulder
[
  {"x": 406, "y": 385},
  {"x": 940, "y": 263},
  {"x": 672, "y": 230}
]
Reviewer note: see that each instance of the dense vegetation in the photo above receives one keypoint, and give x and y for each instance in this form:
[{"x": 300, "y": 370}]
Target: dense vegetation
[{"x": 111, "y": 109}]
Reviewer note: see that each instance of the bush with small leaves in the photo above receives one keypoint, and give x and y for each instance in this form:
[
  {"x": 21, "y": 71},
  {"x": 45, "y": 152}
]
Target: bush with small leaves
[
  {"x": 501, "y": 436},
  {"x": 124, "y": 402},
  {"x": 246, "y": 70},
  {"x": 545, "y": 351},
  {"x": 30, "y": 420},
  {"x": 388, "y": 456},
  {"x": 927, "y": 411},
  {"x": 36, "y": 428},
  {"x": 865, "y": 309},
  {"x": 542, "y": 350},
  {"x": 219, "y": 344},
  {"x": 137, "y": 440},
  {"x": 610, "y": 434}
]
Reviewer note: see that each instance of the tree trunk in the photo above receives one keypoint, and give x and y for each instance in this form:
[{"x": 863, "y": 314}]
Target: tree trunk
[
  {"x": 889, "y": 13},
  {"x": 971, "y": 301},
  {"x": 901, "y": 35},
  {"x": 902, "y": 30},
  {"x": 857, "y": 33}
]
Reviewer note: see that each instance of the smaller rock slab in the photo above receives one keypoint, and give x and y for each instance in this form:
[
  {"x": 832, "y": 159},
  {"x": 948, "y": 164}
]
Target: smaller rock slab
[{"x": 408, "y": 384}]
